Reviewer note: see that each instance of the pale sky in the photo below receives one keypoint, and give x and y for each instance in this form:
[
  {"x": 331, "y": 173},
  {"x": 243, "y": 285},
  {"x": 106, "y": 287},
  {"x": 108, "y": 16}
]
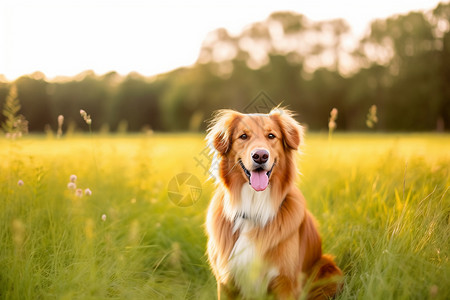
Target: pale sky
[{"x": 66, "y": 37}]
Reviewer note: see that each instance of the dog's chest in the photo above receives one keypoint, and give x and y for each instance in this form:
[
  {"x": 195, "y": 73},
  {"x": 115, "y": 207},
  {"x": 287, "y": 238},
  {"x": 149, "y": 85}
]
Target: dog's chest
[
  {"x": 255, "y": 207},
  {"x": 247, "y": 267},
  {"x": 246, "y": 264},
  {"x": 244, "y": 250}
]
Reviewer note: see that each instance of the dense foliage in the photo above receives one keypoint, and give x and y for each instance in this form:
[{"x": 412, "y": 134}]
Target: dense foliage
[{"x": 401, "y": 65}]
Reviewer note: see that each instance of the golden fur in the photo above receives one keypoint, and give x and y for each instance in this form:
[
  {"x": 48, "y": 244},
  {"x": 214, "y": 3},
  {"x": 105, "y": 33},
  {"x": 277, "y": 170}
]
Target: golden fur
[{"x": 281, "y": 232}]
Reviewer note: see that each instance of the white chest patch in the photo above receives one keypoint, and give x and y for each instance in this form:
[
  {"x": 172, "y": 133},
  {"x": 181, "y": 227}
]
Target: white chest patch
[
  {"x": 246, "y": 265},
  {"x": 253, "y": 206},
  {"x": 243, "y": 253}
]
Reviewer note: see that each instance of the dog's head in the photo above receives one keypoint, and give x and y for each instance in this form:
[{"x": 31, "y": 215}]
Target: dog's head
[{"x": 254, "y": 147}]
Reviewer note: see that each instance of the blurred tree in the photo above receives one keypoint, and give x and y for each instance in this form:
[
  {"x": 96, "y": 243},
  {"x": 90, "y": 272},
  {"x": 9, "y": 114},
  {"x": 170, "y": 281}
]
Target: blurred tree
[
  {"x": 441, "y": 24},
  {"x": 85, "y": 92},
  {"x": 137, "y": 103},
  {"x": 412, "y": 72},
  {"x": 32, "y": 92},
  {"x": 402, "y": 66}
]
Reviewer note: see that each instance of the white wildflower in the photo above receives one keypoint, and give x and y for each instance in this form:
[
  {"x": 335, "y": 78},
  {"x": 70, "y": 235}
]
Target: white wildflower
[
  {"x": 73, "y": 178},
  {"x": 79, "y": 193}
]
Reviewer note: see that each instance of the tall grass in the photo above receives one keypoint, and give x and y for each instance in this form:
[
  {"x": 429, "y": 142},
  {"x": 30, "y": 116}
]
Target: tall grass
[
  {"x": 383, "y": 205},
  {"x": 382, "y": 202}
]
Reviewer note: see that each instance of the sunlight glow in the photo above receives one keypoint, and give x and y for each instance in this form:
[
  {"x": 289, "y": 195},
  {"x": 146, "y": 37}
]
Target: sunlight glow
[{"x": 68, "y": 37}]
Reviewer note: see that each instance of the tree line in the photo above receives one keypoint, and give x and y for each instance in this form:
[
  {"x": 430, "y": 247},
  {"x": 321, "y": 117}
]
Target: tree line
[{"x": 401, "y": 65}]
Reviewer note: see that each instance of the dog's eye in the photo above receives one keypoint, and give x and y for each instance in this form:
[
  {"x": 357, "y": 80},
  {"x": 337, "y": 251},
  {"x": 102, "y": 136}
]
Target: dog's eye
[
  {"x": 243, "y": 137},
  {"x": 271, "y": 136}
]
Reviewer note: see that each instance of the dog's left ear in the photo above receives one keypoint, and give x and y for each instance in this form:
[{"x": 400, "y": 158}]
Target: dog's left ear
[
  {"x": 220, "y": 130},
  {"x": 292, "y": 131}
]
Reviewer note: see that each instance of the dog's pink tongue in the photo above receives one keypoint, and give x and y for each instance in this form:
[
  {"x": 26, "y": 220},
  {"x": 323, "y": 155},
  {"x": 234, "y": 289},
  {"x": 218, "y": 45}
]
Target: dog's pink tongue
[{"x": 259, "y": 180}]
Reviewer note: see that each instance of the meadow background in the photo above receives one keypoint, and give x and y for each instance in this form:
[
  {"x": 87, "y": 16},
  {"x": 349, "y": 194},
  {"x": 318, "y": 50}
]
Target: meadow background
[
  {"x": 381, "y": 200},
  {"x": 87, "y": 161}
]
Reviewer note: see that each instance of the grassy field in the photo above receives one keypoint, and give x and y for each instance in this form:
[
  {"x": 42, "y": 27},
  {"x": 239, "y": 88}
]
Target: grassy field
[{"x": 382, "y": 202}]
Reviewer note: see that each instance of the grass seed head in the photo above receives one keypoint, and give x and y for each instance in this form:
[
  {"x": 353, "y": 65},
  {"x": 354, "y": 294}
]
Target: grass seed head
[
  {"x": 60, "y": 124},
  {"x": 332, "y": 121},
  {"x": 372, "y": 118},
  {"x": 60, "y": 120},
  {"x": 86, "y": 117},
  {"x": 332, "y": 125}
]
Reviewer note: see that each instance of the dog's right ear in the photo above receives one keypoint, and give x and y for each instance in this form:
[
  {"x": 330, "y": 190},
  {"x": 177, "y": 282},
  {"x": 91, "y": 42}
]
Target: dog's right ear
[
  {"x": 292, "y": 131},
  {"x": 220, "y": 130}
]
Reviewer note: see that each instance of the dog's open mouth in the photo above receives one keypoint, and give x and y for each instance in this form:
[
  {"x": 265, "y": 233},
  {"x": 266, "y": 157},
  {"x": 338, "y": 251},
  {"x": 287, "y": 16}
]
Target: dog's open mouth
[{"x": 258, "y": 178}]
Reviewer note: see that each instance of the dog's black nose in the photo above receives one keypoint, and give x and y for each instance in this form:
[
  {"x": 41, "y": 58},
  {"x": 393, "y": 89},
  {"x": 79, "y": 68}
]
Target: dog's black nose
[{"x": 260, "y": 156}]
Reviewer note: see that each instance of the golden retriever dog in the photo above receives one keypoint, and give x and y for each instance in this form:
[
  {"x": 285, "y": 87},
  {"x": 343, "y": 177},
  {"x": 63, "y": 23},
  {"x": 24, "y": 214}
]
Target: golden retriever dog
[{"x": 262, "y": 241}]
